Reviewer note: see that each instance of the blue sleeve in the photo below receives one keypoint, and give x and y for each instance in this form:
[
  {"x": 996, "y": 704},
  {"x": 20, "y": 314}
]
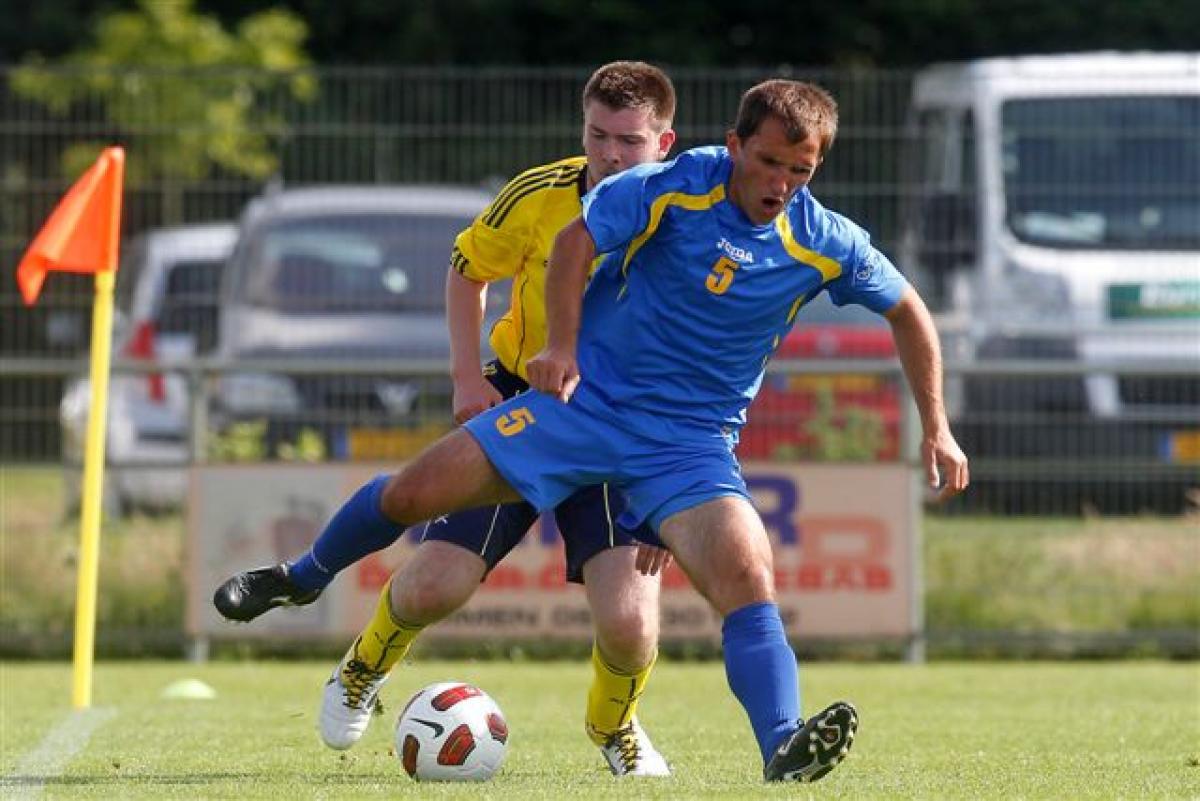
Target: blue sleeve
[
  {"x": 618, "y": 208},
  {"x": 868, "y": 277}
]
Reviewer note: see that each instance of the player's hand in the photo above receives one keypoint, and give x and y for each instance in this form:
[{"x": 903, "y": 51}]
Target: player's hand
[
  {"x": 472, "y": 395},
  {"x": 554, "y": 372},
  {"x": 652, "y": 560},
  {"x": 946, "y": 467}
]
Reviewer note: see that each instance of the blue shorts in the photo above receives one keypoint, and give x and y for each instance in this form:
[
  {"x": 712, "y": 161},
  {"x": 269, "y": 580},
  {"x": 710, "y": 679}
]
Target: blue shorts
[
  {"x": 587, "y": 519},
  {"x": 547, "y": 450}
]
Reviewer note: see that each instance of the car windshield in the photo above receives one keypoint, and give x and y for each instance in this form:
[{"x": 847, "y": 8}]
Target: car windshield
[
  {"x": 353, "y": 263},
  {"x": 1111, "y": 172}
]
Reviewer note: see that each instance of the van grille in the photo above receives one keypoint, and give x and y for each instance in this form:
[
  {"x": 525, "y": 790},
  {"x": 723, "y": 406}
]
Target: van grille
[{"x": 1159, "y": 390}]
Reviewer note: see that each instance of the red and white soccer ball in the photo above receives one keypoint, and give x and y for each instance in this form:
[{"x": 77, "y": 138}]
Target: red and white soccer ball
[{"x": 451, "y": 732}]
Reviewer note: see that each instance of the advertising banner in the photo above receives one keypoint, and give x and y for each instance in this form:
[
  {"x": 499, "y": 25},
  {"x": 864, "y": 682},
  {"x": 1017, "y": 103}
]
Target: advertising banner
[{"x": 841, "y": 534}]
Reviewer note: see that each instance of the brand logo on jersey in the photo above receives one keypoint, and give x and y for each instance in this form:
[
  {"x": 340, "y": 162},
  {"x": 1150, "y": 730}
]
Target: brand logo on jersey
[
  {"x": 734, "y": 252},
  {"x": 865, "y": 271}
]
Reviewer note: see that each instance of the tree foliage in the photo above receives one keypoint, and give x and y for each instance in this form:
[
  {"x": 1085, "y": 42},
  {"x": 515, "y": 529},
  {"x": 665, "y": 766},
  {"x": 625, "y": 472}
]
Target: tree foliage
[
  {"x": 239, "y": 72},
  {"x": 710, "y": 33},
  {"x": 877, "y": 33}
]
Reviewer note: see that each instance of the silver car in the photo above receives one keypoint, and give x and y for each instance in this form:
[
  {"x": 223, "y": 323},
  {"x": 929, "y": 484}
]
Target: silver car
[
  {"x": 349, "y": 275},
  {"x": 166, "y": 297}
]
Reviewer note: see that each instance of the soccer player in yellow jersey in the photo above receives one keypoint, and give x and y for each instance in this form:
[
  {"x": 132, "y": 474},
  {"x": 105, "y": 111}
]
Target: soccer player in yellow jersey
[{"x": 628, "y": 108}]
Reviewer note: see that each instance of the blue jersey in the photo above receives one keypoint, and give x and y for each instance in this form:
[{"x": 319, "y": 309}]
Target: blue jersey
[{"x": 683, "y": 314}]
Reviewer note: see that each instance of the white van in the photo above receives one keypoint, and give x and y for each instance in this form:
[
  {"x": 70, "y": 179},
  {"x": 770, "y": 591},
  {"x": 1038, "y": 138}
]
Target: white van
[{"x": 1056, "y": 215}]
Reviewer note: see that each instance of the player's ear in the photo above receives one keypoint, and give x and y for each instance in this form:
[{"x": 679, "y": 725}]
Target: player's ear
[
  {"x": 733, "y": 143},
  {"x": 666, "y": 140}
]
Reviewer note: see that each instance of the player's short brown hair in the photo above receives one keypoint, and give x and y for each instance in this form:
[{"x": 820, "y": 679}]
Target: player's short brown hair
[
  {"x": 633, "y": 84},
  {"x": 803, "y": 108}
]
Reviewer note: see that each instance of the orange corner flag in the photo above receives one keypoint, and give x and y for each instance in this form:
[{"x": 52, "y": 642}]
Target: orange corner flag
[{"x": 82, "y": 233}]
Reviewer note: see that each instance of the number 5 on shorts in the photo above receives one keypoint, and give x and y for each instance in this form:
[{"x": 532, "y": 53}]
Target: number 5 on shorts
[{"x": 514, "y": 422}]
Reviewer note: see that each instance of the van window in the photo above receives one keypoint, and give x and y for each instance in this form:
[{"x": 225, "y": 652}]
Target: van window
[
  {"x": 942, "y": 220},
  {"x": 352, "y": 263},
  {"x": 1103, "y": 172}
]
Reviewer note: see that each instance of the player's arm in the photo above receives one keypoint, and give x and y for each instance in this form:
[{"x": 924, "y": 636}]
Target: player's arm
[
  {"x": 554, "y": 370},
  {"x": 465, "y": 303},
  {"x": 921, "y": 356},
  {"x": 491, "y": 249}
]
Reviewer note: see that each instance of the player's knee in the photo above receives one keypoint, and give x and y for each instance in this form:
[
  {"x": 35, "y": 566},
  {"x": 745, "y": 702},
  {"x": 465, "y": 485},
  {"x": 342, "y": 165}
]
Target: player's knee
[
  {"x": 433, "y": 583},
  {"x": 743, "y": 584},
  {"x": 401, "y": 500},
  {"x": 758, "y": 580},
  {"x": 426, "y": 599},
  {"x": 628, "y": 636}
]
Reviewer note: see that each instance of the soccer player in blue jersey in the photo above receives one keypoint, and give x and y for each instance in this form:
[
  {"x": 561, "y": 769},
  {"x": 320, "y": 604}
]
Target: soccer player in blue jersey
[
  {"x": 711, "y": 256},
  {"x": 644, "y": 382}
]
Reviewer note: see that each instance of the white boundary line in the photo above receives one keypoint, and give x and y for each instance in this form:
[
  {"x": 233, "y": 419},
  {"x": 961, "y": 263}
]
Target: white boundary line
[{"x": 45, "y": 763}]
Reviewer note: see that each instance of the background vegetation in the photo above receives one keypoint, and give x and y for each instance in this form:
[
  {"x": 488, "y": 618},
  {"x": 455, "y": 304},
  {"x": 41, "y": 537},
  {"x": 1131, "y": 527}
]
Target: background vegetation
[
  {"x": 994, "y": 587},
  {"x": 684, "y": 32}
]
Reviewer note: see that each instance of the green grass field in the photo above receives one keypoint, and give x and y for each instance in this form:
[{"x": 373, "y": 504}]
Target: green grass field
[{"x": 978, "y": 731}]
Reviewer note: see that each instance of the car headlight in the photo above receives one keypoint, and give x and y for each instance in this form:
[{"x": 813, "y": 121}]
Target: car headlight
[{"x": 256, "y": 393}]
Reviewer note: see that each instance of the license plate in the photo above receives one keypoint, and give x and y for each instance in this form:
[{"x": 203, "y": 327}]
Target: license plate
[{"x": 1182, "y": 447}]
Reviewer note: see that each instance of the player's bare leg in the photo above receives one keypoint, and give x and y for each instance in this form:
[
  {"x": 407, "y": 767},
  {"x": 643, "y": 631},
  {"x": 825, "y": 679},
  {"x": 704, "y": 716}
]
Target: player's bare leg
[
  {"x": 451, "y": 474},
  {"x": 624, "y": 605},
  {"x": 724, "y": 549},
  {"x": 435, "y": 581}
]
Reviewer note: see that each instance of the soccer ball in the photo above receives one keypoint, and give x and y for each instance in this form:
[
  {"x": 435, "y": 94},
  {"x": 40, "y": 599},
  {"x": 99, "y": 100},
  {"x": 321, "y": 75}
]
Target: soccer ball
[{"x": 451, "y": 732}]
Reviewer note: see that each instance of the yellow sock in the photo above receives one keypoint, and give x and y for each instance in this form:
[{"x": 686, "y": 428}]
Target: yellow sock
[
  {"x": 384, "y": 641},
  {"x": 613, "y": 697}
]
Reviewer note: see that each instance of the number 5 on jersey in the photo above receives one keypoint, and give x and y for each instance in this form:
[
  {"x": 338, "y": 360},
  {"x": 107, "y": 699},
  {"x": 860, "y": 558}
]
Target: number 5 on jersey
[
  {"x": 721, "y": 276},
  {"x": 515, "y": 421}
]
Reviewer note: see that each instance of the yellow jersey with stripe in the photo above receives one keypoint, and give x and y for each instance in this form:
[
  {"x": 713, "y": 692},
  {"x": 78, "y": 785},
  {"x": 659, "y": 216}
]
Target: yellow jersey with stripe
[
  {"x": 512, "y": 238},
  {"x": 693, "y": 298}
]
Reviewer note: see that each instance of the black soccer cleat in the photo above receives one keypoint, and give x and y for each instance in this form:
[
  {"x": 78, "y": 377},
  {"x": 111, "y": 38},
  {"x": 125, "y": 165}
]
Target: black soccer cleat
[
  {"x": 247, "y": 595},
  {"x": 816, "y": 747}
]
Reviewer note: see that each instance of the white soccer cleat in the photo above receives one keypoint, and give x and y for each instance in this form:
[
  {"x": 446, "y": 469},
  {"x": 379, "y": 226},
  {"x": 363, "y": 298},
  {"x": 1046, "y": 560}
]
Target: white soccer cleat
[
  {"x": 629, "y": 752},
  {"x": 351, "y": 696}
]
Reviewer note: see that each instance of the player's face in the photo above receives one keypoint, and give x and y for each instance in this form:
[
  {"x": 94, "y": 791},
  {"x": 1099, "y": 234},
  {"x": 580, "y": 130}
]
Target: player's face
[
  {"x": 616, "y": 139},
  {"x": 768, "y": 170}
]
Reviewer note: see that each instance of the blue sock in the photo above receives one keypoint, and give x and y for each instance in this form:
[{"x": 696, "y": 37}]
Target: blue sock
[
  {"x": 761, "y": 669},
  {"x": 359, "y": 528}
]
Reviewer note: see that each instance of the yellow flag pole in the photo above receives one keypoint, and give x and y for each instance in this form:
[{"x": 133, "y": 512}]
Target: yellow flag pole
[{"x": 93, "y": 478}]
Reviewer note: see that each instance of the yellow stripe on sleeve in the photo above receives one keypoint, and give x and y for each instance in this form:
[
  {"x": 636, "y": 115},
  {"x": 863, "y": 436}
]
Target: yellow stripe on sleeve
[
  {"x": 829, "y": 268},
  {"x": 659, "y": 207},
  {"x": 516, "y": 185}
]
